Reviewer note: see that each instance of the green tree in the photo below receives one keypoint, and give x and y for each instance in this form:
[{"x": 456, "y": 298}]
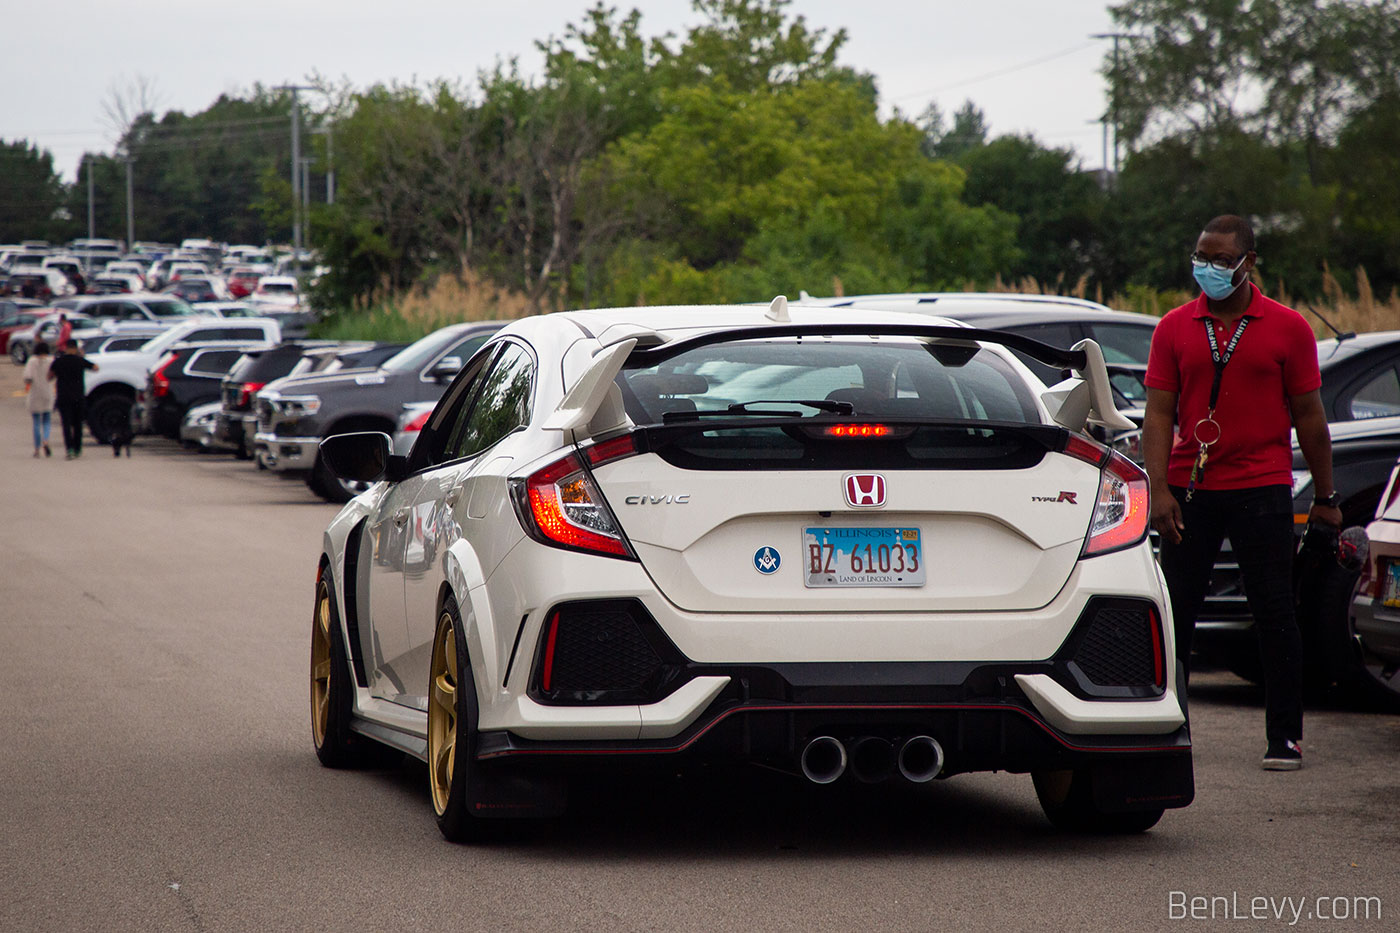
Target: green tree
[
  {"x": 31, "y": 193},
  {"x": 1058, "y": 206},
  {"x": 735, "y": 196}
]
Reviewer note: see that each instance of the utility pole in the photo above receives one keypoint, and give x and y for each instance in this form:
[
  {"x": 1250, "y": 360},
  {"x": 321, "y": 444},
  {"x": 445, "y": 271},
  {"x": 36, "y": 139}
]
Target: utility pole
[
  {"x": 296, "y": 170},
  {"x": 92, "y": 216},
  {"x": 1113, "y": 93},
  {"x": 130, "y": 205}
]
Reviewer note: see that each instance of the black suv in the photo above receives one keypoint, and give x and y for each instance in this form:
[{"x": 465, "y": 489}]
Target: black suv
[{"x": 185, "y": 377}]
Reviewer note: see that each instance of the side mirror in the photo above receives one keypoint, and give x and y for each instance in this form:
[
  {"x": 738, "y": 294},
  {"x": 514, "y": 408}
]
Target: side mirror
[
  {"x": 362, "y": 457},
  {"x": 445, "y": 368}
]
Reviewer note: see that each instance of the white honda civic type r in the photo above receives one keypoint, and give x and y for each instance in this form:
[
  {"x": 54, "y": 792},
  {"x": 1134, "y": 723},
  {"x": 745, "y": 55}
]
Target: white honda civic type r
[{"x": 847, "y": 543}]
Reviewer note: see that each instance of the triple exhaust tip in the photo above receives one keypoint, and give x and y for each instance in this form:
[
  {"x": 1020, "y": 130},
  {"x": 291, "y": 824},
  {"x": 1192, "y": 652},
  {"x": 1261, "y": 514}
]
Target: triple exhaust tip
[{"x": 871, "y": 759}]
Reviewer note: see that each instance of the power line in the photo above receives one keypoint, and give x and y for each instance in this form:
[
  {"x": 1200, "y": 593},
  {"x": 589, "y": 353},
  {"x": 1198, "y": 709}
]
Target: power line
[{"x": 999, "y": 73}]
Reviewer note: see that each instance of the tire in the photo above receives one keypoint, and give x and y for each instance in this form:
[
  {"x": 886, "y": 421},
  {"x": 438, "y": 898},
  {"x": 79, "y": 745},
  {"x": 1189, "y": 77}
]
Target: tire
[
  {"x": 330, "y": 487},
  {"x": 331, "y": 691},
  {"x": 19, "y": 352},
  {"x": 1068, "y": 801},
  {"x": 108, "y": 415},
  {"x": 452, "y": 735}
]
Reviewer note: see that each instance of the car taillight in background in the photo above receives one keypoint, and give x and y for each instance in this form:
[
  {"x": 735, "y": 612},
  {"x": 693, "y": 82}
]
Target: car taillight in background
[
  {"x": 160, "y": 383},
  {"x": 245, "y": 393},
  {"x": 560, "y": 505},
  {"x": 416, "y": 425}
]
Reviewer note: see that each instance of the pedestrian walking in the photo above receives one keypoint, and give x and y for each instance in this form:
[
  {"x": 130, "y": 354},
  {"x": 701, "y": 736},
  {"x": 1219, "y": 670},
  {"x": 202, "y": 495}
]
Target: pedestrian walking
[
  {"x": 39, "y": 395},
  {"x": 69, "y": 370},
  {"x": 1233, "y": 371}
]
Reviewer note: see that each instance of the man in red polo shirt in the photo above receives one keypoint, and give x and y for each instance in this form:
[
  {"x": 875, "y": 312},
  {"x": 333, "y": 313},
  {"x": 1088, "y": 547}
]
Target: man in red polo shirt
[{"x": 1228, "y": 375}]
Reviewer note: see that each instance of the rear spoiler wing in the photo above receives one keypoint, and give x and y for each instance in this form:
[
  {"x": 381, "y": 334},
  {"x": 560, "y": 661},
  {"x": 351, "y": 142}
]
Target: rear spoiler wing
[{"x": 1086, "y": 398}]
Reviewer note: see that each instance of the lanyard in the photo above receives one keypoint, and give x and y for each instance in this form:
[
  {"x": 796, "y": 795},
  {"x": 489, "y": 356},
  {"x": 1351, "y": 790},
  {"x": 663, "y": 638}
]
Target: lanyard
[
  {"x": 1220, "y": 359},
  {"x": 1208, "y": 423}
]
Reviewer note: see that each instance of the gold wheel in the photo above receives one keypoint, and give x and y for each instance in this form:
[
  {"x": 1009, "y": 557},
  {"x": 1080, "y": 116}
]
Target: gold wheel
[
  {"x": 321, "y": 666},
  {"x": 442, "y": 713}
]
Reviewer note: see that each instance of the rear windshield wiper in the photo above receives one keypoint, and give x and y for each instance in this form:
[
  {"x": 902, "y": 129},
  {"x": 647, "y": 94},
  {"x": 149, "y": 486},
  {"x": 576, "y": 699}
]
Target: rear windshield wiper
[{"x": 743, "y": 408}]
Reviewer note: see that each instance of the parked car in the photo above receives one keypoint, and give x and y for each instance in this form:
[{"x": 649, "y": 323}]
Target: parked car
[
  {"x": 721, "y": 533},
  {"x": 1368, "y": 645},
  {"x": 47, "y": 329},
  {"x": 140, "y": 306},
  {"x": 186, "y": 376},
  {"x": 1125, "y": 337},
  {"x": 112, "y": 389},
  {"x": 115, "y": 283},
  {"x": 38, "y": 283},
  {"x": 279, "y": 292},
  {"x": 199, "y": 288},
  {"x": 296, "y": 412},
  {"x": 197, "y": 428},
  {"x": 17, "y": 315},
  {"x": 236, "y": 422}
]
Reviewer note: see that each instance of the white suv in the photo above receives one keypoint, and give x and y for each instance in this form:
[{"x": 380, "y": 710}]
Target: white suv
[
  {"x": 121, "y": 374},
  {"x": 851, "y": 544}
]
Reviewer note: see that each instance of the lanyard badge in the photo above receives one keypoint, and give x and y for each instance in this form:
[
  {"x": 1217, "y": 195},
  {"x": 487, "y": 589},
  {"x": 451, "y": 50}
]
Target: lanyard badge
[{"x": 1207, "y": 430}]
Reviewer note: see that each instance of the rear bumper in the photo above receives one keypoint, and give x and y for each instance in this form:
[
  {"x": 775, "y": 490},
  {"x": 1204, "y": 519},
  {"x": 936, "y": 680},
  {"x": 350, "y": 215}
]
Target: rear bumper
[
  {"x": 1004, "y": 717},
  {"x": 1001, "y": 731},
  {"x": 1377, "y": 628}
]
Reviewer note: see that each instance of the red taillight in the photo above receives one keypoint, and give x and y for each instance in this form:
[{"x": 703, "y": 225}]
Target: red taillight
[
  {"x": 160, "y": 383},
  {"x": 1084, "y": 449},
  {"x": 417, "y": 423},
  {"x": 245, "y": 393},
  {"x": 547, "y": 671},
  {"x": 1121, "y": 509},
  {"x": 567, "y": 509},
  {"x": 858, "y": 430},
  {"x": 609, "y": 450}
]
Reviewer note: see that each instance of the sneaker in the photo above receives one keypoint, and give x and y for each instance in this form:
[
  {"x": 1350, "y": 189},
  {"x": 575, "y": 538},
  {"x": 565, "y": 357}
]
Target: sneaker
[
  {"x": 47, "y": 452},
  {"x": 1285, "y": 756}
]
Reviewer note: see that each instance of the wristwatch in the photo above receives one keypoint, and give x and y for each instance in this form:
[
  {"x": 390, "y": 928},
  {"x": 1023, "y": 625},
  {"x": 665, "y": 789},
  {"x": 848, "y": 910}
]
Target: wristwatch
[{"x": 1330, "y": 502}]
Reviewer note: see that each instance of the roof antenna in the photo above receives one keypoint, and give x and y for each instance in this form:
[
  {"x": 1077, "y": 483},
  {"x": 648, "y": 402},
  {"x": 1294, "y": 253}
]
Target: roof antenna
[
  {"x": 1340, "y": 335},
  {"x": 778, "y": 311}
]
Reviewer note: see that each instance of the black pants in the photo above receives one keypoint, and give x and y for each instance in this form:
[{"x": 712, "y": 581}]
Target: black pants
[
  {"x": 1259, "y": 524},
  {"x": 72, "y": 411}
]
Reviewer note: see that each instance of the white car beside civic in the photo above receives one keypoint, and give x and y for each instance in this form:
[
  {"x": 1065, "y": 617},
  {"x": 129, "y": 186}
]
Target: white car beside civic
[{"x": 848, "y": 543}]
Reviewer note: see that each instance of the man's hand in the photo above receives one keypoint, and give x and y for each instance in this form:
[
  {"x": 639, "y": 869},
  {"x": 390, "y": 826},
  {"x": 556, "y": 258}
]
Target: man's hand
[
  {"x": 1326, "y": 514},
  {"x": 1166, "y": 515}
]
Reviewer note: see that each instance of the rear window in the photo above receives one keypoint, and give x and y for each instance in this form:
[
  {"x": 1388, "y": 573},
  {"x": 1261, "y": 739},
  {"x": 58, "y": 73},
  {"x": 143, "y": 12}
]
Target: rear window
[
  {"x": 170, "y": 308},
  {"x": 939, "y": 406},
  {"x": 886, "y": 379}
]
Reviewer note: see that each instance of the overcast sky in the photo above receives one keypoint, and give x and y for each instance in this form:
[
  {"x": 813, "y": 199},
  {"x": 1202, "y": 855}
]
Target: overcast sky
[{"x": 1030, "y": 65}]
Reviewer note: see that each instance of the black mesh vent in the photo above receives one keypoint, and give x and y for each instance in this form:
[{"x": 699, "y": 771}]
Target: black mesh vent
[
  {"x": 600, "y": 650},
  {"x": 1117, "y": 648}
]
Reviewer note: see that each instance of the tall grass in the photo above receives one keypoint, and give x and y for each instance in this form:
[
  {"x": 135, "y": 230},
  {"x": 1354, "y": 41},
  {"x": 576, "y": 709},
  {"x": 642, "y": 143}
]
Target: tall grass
[
  {"x": 450, "y": 299},
  {"x": 423, "y": 309},
  {"x": 1360, "y": 313}
]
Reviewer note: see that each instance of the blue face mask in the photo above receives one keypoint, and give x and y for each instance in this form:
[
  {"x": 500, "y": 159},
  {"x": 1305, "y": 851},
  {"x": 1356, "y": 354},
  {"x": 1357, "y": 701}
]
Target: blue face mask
[{"x": 1217, "y": 284}]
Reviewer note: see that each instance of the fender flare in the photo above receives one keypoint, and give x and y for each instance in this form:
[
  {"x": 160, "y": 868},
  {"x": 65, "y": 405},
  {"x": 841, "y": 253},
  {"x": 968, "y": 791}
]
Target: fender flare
[{"x": 466, "y": 582}]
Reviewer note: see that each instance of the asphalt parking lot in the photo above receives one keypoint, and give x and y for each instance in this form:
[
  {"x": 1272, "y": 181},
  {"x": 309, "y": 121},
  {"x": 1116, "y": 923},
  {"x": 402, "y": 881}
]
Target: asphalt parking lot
[{"x": 158, "y": 775}]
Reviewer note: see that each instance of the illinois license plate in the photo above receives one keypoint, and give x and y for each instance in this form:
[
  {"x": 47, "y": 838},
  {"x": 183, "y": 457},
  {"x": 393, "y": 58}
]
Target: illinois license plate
[
  {"x": 865, "y": 556},
  {"x": 1390, "y": 592}
]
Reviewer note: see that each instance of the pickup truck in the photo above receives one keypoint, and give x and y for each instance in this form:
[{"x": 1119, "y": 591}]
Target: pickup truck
[
  {"x": 296, "y": 412},
  {"x": 121, "y": 374}
]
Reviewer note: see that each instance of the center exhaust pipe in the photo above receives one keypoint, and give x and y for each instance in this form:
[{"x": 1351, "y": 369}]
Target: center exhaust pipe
[
  {"x": 823, "y": 760},
  {"x": 920, "y": 759}
]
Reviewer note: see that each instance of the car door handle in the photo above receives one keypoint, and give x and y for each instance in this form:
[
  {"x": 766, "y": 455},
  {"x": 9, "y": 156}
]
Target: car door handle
[
  {"x": 401, "y": 515},
  {"x": 453, "y": 495}
]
